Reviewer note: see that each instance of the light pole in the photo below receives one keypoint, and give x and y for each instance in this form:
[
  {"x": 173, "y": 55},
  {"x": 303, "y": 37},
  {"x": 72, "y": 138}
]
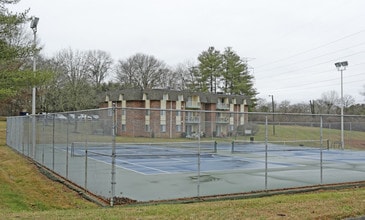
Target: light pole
[
  {"x": 33, "y": 26},
  {"x": 273, "y": 115},
  {"x": 341, "y": 66}
]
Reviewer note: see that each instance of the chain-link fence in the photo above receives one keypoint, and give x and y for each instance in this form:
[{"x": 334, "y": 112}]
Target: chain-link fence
[{"x": 154, "y": 154}]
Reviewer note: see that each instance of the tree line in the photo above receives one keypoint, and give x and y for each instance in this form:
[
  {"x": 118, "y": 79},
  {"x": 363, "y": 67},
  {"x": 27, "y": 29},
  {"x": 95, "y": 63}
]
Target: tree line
[{"x": 328, "y": 103}]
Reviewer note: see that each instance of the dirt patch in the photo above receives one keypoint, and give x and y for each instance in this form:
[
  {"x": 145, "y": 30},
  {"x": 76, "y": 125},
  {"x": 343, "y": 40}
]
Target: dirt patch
[
  {"x": 123, "y": 201},
  {"x": 356, "y": 144},
  {"x": 204, "y": 178}
]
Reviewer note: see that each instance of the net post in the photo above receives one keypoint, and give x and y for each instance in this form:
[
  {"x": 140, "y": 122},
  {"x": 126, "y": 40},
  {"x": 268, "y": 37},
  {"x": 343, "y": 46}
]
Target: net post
[
  {"x": 215, "y": 146},
  {"x": 72, "y": 149},
  {"x": 232, "y": 148}
]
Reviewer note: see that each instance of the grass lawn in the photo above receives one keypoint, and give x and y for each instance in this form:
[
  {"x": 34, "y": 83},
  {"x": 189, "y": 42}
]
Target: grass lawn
[{"x": 27, "y": 194}]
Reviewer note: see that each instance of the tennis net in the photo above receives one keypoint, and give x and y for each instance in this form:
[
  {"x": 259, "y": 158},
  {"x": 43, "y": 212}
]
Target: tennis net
[
  {"x": 241, "y": 146},
  {"x": 144, "y": 150}
]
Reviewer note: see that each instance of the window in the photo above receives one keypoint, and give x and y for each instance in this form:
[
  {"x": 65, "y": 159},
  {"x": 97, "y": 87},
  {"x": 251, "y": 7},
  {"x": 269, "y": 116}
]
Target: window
[
  {"x": 148, "y": 112},
  {"x": 178, "y": 128},
  {"x": 147, "y": 128},
  {"x": 231, "y": 127},
  {"x": 163, "y": 128},
  {"x": 124, "y": 128},
  {"x": 162, "y": 112},
  {"x": 178, "y": 113},
  {"x": 124, "y": 112}
]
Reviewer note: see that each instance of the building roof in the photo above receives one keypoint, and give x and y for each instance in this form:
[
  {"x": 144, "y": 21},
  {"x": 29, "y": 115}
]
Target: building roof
[{"x": 173, "y": 95}]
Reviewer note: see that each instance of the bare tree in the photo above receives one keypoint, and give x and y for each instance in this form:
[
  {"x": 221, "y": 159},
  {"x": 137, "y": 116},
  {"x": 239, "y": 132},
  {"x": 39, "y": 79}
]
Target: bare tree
[
  {"x": 141, "y": 71},
  {"x": 284, "y": 106},
  {"x": 262, "y": 105},
  {"x": 328, "y": 102},
  {"x": 348, "y": 100},
  {"x": 72, "y": 85},
  {"x": 183, "y": 76},
  {"x": 99, "y": 64}
]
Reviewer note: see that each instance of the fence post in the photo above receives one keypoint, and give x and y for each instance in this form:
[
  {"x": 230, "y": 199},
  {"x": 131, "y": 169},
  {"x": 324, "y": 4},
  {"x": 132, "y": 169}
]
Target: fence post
[
  {"x": 33, "y": 135},
  {"x": 113, "y": 156},
  {"x": 321, "y": 153},
  {"x": 53, "y": 142},
  {"x": 266, "y": 140},
  {"x": 67, "y": 143},
  {"x": 199, "y": 128},
  {"x": 86, "y": 157}
]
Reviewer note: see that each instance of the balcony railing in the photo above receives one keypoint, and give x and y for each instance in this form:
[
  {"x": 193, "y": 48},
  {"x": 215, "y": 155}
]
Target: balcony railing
[
  {"x": 193, "y": 104},
  {"x": 222, "y": 106},
  {"x": 192, "y": 119},
  {"x": 222, "y": 120}
]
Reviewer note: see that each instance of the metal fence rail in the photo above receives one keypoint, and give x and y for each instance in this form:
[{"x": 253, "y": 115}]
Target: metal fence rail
[{"x": 101, "y": 150}]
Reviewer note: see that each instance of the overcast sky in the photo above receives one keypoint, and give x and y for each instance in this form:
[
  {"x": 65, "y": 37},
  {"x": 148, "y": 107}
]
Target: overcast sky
[{"x": 291, "y": 45}]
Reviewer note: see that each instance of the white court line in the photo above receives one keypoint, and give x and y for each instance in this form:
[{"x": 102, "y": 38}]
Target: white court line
[{"x": 139, "y": 165}]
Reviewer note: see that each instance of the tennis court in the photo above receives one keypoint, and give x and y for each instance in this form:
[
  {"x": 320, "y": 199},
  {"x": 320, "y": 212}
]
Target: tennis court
[
  {"x": 161, "y": 158},
  {"x": 166, "y": 171},
  {"x": 157, "y": 171}
]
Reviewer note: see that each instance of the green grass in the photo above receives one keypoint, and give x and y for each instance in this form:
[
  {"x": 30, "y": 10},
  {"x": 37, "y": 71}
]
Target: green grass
[
  {"x": 23, "y": 188},
  {"x": 353, "y": 139},
  {"x": 318, "y": 205},
  {"x": 27, "y": 194}
]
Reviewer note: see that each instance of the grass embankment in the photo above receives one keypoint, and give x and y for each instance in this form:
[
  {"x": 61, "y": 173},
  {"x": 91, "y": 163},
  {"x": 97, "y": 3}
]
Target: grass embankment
[
  {"x": 27, "y": 194},
  {"x": 23, "y": 188}
]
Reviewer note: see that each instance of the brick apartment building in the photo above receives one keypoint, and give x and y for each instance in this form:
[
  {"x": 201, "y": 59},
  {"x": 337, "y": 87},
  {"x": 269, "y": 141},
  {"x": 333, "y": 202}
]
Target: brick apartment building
[{"x": 169, "y": 113}]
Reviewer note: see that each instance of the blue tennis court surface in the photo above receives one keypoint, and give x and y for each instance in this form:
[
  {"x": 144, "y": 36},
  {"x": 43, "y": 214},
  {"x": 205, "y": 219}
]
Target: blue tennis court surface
[
  {"x": 174, "y": 171},
  {"x": 149, "y": 160},
  {"x": 170, "y": 164}
]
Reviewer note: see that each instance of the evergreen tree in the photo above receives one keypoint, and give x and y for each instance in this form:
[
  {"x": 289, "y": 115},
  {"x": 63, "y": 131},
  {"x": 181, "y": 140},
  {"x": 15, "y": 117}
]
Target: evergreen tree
[
  {"x": 210, "y": 70},
  {"x": 14, "y": 50},
  {"x": 225, "y": 72}
]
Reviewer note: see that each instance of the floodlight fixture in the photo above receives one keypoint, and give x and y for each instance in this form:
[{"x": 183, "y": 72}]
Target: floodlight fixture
[
  {"x": 341, "y": 65},
  {"x": 34, "y": 23},
  {"x": 344, "y": 63}
]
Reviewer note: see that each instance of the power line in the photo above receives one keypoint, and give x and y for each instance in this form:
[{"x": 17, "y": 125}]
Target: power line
[
  {"x": 316, "y": 48},
  {"x": 314, "y": 65},
  {"x": 312, "y": 58},
  {"x": 315, "y": 84}
]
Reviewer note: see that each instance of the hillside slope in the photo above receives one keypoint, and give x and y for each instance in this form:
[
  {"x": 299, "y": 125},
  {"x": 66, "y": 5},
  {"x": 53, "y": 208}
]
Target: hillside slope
[{"x": 23, "y": 188}]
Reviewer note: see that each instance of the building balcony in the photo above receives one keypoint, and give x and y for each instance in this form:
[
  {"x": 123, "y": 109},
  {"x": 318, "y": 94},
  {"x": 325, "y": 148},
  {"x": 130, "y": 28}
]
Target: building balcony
[
  {"x": 193, "y": 104},
  {"x": 192, "y": 119},
  {"x": 222, "y": 106},
  {"x": 222, "y": 120}
]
